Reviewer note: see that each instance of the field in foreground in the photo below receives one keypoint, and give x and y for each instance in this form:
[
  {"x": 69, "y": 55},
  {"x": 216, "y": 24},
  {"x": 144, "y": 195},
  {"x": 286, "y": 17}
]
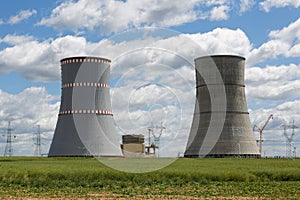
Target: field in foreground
[{"x": 33, "y": 177}]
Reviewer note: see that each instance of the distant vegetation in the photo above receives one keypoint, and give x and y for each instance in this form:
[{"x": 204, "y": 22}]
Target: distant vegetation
[{"x": 87, "y": 177}]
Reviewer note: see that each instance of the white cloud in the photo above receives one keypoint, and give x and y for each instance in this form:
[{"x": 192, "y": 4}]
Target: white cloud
[
  {"x": 246, "y": 5},
  {"x": 273, "y": 73},
  {"x": 284, "y": 42},
  {"x": 219, "y": 13},
  {"x": 224, "y": 41},
  {"x": 268, "y": 4},
  {"x": 32, "y": 107},
  {"x": 16, "y": 40},
  {"x": 274, "y": 140},
  {"x": 275, "y": 90},
  {"x": 289, "y": 34},
  {"x": 292, "y": 107},
  {"x": 215, "y": 2},
  {"x": 21, "y": 16},
  {"x": 114, "y": 16},
  {"x": 38, "y": 61},
  {"x": 268, "y": 50},
  {"x": 153, "y": 93},
  {"x": 21, "y": 108},
  {"x": 273, "y": 82}
]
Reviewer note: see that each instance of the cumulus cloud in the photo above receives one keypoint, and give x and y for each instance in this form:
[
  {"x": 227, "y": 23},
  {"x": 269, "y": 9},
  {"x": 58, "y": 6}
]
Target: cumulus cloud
[
  {"x": 274, "y": 140},
  {"x": 276, "y": 90},
  {"x": 215, "y": 2},
  {"x": 269, "y": 50},
  {"x": 21, "y": 16},
  {"x": 268, "y": 4},
  {"x": 31, "y": 107},
  {"x": 16, "y": 39},
  {"x": 224, "y": 41},
  {"x": 114, "y": 16},
  {"x": 289, "y": 34},
  {"x": 38, "y": 61},
  {"x": 284, "y": 42},
  {"x": 219, "y": 13},
  {"x": 21, "y": 108},
  {"x": 246, "y": 5},
  {"x": 273, "y": 82},
  {"x": 273, "y": 73}
]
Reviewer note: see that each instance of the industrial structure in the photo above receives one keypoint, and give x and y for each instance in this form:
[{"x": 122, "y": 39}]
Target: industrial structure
[
  {"x": 85, "y": 125},
  {"x": 235, "y": 137},
  {"x": 37, "y": 142},
  {"x": 290, "y": 148},
  {"x": 260, "y": 130},
  {"x": 9, "y": 136},
  {"x": 133, "y": 146},
  {"x": 153, "y": 147}
]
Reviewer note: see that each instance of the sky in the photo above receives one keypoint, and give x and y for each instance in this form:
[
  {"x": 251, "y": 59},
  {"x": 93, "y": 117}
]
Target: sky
[{"x": 152, "y": 45}]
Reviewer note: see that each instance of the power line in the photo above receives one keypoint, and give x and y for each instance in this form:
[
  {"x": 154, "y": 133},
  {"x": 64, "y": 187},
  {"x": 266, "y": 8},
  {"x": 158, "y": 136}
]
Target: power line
[
  {"x": 156, "y": 137},
  {"x": 290, "y": 148},
  {"x": 38, "y": 150},
  {"x": 8, "y": 148}
]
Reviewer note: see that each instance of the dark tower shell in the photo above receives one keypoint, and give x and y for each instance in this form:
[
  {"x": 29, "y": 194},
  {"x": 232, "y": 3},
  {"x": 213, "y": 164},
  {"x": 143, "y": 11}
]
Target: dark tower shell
[
  {"x": 85, "y": 125},
  {"x": 236, "y": 138}
]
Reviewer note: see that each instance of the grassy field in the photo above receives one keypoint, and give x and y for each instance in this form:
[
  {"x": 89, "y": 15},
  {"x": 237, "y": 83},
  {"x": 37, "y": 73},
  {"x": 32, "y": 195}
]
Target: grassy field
[{"x": 33, "y": 177}]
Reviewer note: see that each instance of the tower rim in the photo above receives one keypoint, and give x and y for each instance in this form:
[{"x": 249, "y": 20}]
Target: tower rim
[
  {"x": 85, "y": 57},
  {"x": 220, "y": 56}
]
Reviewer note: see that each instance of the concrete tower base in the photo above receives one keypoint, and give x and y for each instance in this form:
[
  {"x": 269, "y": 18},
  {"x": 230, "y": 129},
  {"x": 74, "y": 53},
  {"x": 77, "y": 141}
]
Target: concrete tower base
[
  {"x": 85, "y": 125},
  {"x": 235, "y": 138}
]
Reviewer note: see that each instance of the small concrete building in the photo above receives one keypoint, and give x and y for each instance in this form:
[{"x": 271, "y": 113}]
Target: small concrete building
[{"x": 133, "y": 146}]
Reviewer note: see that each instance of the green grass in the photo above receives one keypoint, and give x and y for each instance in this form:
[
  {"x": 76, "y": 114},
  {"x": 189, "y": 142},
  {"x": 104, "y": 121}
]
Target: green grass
[{"x": 87, "y": 177}]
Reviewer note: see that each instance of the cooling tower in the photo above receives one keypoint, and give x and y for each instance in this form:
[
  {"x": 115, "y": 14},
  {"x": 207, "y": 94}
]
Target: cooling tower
[
  {"x": 234, "y": 137},
  {"x": 85, "y": 125}
]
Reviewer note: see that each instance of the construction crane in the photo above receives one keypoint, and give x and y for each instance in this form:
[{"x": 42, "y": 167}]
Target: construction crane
[{"x": 260, "y": 130}]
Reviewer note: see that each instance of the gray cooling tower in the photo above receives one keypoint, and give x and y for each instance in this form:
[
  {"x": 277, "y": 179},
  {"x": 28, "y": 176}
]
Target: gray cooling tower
[
  {"x": 235, "y": 138},
  {"x": 85, "y": 125}
]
